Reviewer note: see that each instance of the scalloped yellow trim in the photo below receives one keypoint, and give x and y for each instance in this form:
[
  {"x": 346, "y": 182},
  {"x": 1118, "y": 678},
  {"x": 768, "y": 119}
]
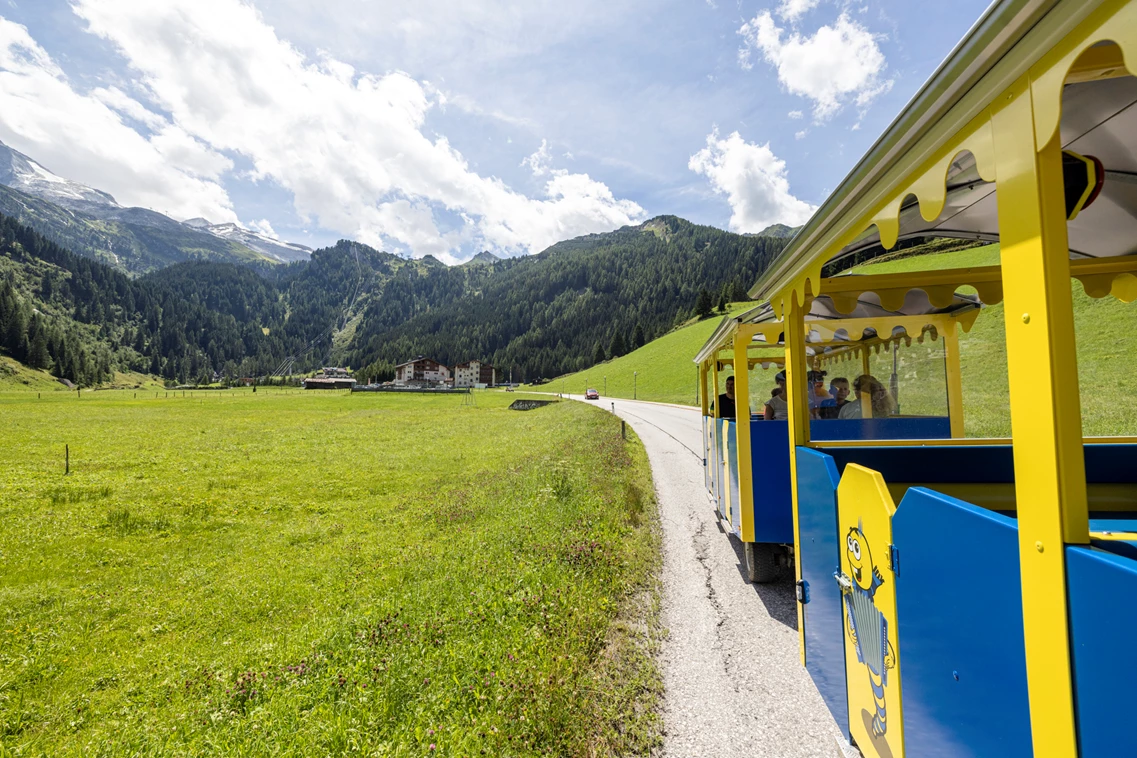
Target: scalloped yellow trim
[{"x": 1114, "y": 22}]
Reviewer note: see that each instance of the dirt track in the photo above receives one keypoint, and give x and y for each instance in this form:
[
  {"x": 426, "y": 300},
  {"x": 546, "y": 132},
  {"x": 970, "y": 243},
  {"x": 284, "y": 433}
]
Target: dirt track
[{"x": 734, "y": 684}]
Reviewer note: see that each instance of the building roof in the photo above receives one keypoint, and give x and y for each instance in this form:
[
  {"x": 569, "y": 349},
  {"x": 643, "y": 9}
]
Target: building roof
[
  {"x": 418, "y": 360},
  {"x": 328, "y": 379}
]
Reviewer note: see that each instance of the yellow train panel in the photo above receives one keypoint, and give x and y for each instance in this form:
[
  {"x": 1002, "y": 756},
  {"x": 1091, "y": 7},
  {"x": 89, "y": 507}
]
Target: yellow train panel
[{"x": 868, "y": 587}]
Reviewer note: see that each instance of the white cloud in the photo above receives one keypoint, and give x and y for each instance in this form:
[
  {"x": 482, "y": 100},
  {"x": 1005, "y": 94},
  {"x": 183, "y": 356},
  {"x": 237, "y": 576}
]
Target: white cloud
[
  {"x": 538, "y": 162},
  {"x": 264, "y": 228},
  {"x": 753, "y": 180},
  {"x": 801, "y": 134},
  {"x": 114, "y": 98},
  {"x": 179, "y": 148},
  {"x": 83, "y": 136},
  {"x": 837, "y": 63},
  {"x": 792, "y": 10},
  {"x": 422, "y": 34},
  {"x": 349, "y": 146},
  {"x": 795, "y": 114}
]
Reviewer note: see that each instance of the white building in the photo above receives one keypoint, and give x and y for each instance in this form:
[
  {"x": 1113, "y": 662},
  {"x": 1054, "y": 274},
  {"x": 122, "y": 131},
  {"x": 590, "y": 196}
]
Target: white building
[
  {"x": 422, "y": 371},
  {"x": 474, "y": 374}
]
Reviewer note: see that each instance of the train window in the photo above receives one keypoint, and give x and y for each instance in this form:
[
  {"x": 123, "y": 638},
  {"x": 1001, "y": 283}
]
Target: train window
[{"x": 1099, "y": 119}]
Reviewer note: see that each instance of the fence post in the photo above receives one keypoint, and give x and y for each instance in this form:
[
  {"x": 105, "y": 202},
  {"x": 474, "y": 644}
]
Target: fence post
[
  {"x": 623, "y": 429},
  {"x": 66, "y": 460}
]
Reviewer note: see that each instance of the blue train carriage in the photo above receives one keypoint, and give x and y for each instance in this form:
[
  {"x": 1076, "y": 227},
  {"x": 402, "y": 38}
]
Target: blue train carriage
[
  {"x": 963, "y": 596},
  {"x": 747, "y": 467}
]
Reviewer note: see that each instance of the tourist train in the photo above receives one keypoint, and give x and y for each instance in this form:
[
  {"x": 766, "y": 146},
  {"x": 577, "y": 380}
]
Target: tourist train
[{"x": 959, "y": 592}]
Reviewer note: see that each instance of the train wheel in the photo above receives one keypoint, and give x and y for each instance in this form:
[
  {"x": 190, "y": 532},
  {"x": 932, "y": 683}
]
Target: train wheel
[{"x": 761, "y": 562}]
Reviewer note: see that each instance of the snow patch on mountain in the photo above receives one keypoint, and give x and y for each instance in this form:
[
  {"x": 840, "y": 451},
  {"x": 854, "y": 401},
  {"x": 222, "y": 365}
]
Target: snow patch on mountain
[
  {"x": 285, "y": 252},
  {"x": 20, "y": 172}
]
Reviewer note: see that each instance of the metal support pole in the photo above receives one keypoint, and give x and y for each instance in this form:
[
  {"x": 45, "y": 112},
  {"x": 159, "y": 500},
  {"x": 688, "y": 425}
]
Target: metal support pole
[
  {"x": 1046, "y": 419},
  {"x": 795, "y": 332},
  {"x": 954, "y": 381},
  {"x": 742, "y": 433}
]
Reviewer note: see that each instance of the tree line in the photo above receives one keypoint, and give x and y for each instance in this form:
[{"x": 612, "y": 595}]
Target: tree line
[{"x": 580, "y": 302}]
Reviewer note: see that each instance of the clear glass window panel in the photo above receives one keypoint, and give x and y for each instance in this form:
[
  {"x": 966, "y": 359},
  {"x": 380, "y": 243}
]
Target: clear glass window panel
[{"x": 915, "y": 376}]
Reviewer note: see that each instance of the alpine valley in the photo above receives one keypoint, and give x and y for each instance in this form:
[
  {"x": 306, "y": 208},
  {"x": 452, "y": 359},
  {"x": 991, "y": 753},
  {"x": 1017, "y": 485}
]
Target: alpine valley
[{"x": 89, "y": 287}]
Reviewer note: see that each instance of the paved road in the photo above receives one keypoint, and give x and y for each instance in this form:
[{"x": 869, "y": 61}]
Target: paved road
[{"x": 734, "y": 685}]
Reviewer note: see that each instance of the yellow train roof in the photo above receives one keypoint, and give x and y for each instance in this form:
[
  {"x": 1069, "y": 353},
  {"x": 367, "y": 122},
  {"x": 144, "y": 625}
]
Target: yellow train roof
[
  {"x": 932, "y": 171},
  {"x": 853, "y": 306}
]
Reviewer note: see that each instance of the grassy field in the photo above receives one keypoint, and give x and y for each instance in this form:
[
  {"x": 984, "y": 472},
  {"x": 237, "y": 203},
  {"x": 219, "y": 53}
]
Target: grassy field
[
  {"x": 297, "y": 574},
  {"x": 667, "y": 373}
]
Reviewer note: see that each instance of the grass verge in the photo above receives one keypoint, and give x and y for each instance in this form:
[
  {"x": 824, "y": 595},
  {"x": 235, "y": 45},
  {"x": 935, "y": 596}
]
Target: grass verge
[{"x": 280, "y": 574}]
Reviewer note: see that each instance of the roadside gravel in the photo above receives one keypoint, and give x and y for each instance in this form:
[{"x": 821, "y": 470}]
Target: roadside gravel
[{"x": 734, "y": 685}]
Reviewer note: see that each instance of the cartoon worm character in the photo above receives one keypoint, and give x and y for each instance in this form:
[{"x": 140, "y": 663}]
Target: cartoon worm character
[{"x": 868, "y": 627}]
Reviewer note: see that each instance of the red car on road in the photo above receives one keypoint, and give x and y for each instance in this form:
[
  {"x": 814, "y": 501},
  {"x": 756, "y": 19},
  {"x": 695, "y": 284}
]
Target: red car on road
[{"x": 591, "y": 395}]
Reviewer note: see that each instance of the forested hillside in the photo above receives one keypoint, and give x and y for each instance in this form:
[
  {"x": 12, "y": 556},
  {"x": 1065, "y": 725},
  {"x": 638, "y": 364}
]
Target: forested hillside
[
  {"x": 577, "y": 303},
  {"x": 80, "y": 319}
]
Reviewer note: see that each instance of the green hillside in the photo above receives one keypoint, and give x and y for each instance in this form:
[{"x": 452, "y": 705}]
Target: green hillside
[
  {"x": 16, "y": 376},
  {"x": 666, "y": 371},
  {"x": 1106, "y": 336},
  {"x": 1106, "y": 331},
  {"x": 555, "y": 312}
]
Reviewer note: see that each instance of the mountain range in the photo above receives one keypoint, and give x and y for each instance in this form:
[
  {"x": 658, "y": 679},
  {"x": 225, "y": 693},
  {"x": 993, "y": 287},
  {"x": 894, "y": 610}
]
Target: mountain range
[
  {"x": 577, "y": 303},
  {"x": 284, "y": 252},
  {"x": 91, "y": 223},
  {"x": 83, "y": 275}
]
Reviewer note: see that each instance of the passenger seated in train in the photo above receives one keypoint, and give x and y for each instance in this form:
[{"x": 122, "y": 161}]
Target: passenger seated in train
[
  {"x": 776, "y": 407},
  {"x": 838, "y": 399},
  {"x": 815, "y": 383},
  {"x": 882, "y": 403},
  {"x": 726, "y": 400}
]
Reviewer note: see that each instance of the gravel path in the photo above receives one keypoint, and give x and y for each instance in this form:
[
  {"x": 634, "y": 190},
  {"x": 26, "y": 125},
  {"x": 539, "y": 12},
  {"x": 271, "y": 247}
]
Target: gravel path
[{"x": 734, "y": 685}]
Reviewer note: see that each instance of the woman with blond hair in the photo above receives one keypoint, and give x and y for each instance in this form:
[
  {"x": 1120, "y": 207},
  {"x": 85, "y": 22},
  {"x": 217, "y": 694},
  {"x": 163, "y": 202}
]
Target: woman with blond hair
[{"x": 879, "y": 397}]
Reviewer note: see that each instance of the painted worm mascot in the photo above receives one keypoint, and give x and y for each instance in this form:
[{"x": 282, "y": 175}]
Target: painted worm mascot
[{"x": 868, "y": 627}]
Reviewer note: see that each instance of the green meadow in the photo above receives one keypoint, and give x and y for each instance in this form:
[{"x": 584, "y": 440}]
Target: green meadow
[
  {"x": 666, "y": 372},
  {"x": 239, "y": 574}
]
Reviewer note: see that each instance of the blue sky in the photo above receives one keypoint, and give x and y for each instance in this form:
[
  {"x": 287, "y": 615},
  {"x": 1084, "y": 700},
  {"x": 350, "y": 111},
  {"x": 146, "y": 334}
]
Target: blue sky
[{"x": 442, "y": 127}]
